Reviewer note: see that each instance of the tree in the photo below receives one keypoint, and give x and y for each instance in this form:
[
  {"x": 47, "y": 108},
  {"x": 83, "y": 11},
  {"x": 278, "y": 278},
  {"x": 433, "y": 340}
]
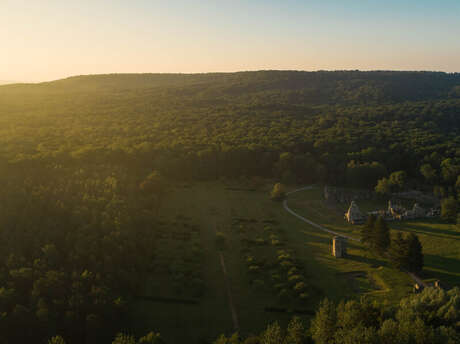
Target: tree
[
  {"x": 398, "y": 179},
  {"x": 295, "y": 333},
  {"x": 367, "y": 231},
  {"x": 428, "y": 172},
  {"x": 450, "y": 171},
  {"x": 124, "y": 339},
  {"x": 323, "y": 325},
  {"x": 406, "y": 253},
  {"x": 56, "y": 340},
  {"x": 272, "y": 335},
  {"x": 151, "y": 338},
  {"x": 233, "y": 339},
  {"x": 382, "y": 236},
  {"x": 278, "y": 193},
  {"x": 399, "y": 252},
  {"x": 449, "y": 209},
  {"x": 415, "y": 254},
  {"x": 383, "y": 186}
]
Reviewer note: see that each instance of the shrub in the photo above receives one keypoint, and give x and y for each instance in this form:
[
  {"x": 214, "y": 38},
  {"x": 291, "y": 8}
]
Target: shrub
[
  {"x": 295, "y": 278},
  {"x": 300, "y": 286},
  {"x": 254, "y": 268},
  {"x": 278, "y": 193}
]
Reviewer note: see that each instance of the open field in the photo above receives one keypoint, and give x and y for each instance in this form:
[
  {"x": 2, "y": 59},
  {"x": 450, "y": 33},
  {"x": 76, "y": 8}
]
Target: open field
[
  {"x": 276, "y": 265},
  {"x": 441, "y": 241}
]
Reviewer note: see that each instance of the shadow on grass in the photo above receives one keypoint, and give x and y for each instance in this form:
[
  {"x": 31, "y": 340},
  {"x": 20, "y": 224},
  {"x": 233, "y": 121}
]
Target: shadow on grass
[
  {"x": 450, "y": 268},
  {"x": 424, "y": 229},
  {"x": 446, "y": 279},
  {"x": 373, "y": 261}
]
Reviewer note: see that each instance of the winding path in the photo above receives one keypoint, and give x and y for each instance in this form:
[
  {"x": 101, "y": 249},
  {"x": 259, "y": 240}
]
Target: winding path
[{"x": 289, "y": 210}]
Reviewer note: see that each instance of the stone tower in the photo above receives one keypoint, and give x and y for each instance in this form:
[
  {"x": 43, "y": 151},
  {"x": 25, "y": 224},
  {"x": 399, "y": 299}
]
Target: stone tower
[{"x": 339, "y": 247}]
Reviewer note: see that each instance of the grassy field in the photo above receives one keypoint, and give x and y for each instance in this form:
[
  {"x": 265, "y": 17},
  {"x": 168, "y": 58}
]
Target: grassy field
[
  {"x": 264, "y": 248},
  {"x": 440, "y": 240}
]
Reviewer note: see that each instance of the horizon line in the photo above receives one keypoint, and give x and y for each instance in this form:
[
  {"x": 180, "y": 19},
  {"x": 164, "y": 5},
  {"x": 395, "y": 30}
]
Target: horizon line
[{"x": 17, "y": 82}]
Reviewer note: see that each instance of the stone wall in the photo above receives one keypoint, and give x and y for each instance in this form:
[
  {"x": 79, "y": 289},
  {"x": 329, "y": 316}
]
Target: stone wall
[{"x": 344, "y": 195}]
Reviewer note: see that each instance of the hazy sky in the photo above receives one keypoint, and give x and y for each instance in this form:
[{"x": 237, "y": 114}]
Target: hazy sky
[{"x": 51, "y": 39}]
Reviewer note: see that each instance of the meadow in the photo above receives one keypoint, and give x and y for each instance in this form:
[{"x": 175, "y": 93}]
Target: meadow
[{"x": 267, "y": 252}]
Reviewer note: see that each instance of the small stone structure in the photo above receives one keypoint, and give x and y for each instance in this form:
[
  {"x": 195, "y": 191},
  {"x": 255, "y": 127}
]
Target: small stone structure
[
  {"x": 354, "y": 215},
  {"x": 339, "y": 247}
]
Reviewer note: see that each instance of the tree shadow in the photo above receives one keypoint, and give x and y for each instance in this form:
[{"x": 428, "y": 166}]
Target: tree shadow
[
  {"x": 372, "y": 261},
  {"x": 423, "y": 229},
  {"x": 450, "y": 269}
]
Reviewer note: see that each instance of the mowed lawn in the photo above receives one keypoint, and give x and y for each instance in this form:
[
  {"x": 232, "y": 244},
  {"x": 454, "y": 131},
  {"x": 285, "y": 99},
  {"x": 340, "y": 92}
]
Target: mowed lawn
[
  {"x": 214, "y": 207},
  {"x": 440, "y": 241}
]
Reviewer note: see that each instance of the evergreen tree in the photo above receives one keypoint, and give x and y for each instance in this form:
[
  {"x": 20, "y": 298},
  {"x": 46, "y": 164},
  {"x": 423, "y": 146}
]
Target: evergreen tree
[
  {"x": 367, "y": 231},
  {"x": 415, "y": 255},
  {"x": 382, "y": 235},
  {"x": 399, "y": 252},
  {"x": 323, "y": 326}
]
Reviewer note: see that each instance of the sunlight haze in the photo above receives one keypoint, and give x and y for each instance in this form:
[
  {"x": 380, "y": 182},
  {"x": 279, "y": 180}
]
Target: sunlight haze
[{"x": 50, "y": 39}]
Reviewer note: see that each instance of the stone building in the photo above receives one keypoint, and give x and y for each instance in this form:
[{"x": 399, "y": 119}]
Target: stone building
[
  {"x": 339, "y": 247},
  {"x": 354, "y": 215}
]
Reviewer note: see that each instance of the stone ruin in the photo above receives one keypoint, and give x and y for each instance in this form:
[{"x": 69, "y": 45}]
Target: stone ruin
[
  {"x": 354, "y": 215},
  {"x": 393, "y": 212},
  {"x": 339, "y": 247},
  {"x": 342, "y": 195}
]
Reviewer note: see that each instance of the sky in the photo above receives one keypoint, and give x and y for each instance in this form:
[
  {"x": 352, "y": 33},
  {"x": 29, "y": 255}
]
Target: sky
[{"x": 43, "y": 40}]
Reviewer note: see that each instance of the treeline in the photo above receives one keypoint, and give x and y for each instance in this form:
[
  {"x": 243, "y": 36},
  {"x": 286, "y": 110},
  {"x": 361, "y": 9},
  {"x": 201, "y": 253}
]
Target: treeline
[
  {"x": 243, "y": 124},
  {"x": 430, "y": 317}
]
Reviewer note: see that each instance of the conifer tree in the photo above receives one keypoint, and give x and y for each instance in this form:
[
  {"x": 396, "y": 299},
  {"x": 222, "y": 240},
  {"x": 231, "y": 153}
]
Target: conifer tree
[
  {"x": 382, "y": 235},
  {"x": 399, "y": 252},
  {"x": 367, "y": 231},
  {"x": 415, "y": 255}
]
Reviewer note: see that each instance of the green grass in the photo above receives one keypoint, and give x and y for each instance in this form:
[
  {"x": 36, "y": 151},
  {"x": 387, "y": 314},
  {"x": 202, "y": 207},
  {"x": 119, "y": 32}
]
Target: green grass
[
  {"x": 440, "y": 241},
  {"x": 213, "y": 207}
]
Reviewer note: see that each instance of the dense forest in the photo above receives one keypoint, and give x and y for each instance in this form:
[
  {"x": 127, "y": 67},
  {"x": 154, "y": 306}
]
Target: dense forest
[{"x": 86, "y": 161}]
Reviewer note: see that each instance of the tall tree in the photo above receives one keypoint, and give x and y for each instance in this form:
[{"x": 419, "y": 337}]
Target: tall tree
[
  {"x": 449, "y": 209},
  {"x": 382, "y": 235},
  {"x": 367, "y": 231},
  {"x": 399, "y": 252},
  {"x": 323, "y": 326},
  {"x": 415, "y": 254}
]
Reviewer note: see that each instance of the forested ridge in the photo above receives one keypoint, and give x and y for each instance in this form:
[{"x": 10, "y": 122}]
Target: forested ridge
[
  {"x": 241, "y": 120},
  {"x": 85, "y": 162}
]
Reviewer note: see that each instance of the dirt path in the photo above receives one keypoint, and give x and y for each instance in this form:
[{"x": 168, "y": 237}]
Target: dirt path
[
  {"x": 229, "y": 294},
  {"x": 289, "y": 210},
  {"x": 414, "y": 277}
]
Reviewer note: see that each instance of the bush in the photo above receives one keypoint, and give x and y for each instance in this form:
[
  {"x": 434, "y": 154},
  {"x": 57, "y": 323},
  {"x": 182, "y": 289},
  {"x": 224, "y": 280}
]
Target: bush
[
  {"x": 278, "y": 193},
  {"x": 254, "y": 268},
  {"x": 300, "y": 286}
]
